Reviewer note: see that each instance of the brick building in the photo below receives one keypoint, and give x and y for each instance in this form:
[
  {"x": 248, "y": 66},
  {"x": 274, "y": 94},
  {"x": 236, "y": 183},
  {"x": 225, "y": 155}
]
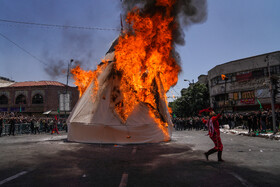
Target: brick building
[{"x": 37, "y": 97}]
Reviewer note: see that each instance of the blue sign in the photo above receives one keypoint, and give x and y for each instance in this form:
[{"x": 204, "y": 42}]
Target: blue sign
[
  {"x": 3, "y": 109},
  {"x": 17, "y": 109}
]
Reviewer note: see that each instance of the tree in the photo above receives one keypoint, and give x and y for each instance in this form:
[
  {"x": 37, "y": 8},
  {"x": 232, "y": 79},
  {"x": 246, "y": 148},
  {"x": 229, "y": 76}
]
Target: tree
[{"x": 193, "y": 99}]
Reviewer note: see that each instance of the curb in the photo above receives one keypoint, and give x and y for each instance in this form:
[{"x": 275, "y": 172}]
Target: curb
[{"x": 268, "y": 136}]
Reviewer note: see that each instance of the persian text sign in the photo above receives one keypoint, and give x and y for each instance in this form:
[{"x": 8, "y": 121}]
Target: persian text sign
[
  {"x": 248, "y": 95},
  {"x": 244, "y": 77},
  {"x": 263, "y": 93},
  {"x": 248, "y": 101}
]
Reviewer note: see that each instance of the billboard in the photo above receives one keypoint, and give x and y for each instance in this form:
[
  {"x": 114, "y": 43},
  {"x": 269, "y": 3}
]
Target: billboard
[{"x": 64, "y": 102}]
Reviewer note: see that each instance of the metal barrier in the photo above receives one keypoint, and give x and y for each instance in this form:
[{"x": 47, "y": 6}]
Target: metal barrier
[{"x": 24, "y": 128}]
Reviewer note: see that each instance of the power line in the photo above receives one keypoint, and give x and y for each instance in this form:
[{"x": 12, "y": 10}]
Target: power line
[
  {"x": 59, "y": 26},
  {"x": 23, "y": 49},
  {"x": 175, "y": 91}
]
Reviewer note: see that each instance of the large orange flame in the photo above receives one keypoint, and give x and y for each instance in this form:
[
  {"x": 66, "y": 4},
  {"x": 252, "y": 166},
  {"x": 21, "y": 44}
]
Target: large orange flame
[
  {"x": 146, "y": 54},
  {"x": 84, "y": 78},
  {"x": 143, "y": 55}
]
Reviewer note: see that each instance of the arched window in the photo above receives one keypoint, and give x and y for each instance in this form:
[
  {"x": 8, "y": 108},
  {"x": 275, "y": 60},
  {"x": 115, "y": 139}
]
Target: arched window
[
  {"x": 3, "y": 100},
  {"x": 21, "y": 99},
  {"x": 37, "y": 99}
]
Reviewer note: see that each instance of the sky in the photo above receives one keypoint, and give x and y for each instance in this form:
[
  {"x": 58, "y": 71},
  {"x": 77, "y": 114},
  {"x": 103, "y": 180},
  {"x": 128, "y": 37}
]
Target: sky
[{"x": 234, "y": 29}]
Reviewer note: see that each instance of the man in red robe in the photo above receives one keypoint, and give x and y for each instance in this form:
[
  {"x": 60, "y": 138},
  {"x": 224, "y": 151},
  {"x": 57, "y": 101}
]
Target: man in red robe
[{"x": 214, "y": 133}]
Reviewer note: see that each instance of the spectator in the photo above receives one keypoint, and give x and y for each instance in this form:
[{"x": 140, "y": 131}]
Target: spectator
[
  {"x": 12, "y": 126},
  {"x": 32, "y": 125},
  {"x": 1, "y": 125},
  {"x": 55, "y": 129},
  {"x": 36, "y": 126}
]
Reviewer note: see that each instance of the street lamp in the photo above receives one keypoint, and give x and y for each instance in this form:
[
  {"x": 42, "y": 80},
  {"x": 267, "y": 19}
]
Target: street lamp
[
  {"x": 225, "y": 78},
  {"x": 190, "y": 83}
]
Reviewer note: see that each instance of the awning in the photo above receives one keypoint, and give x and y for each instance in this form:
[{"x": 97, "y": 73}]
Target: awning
[
  {"x": 48, "y": 112},
  {"x": 54, "y": 112}
]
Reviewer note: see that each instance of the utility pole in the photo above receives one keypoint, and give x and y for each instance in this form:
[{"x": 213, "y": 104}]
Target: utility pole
[
  {"x": 66, "y": 89},
  {"x": 272, "y": 94},
  {"x": 225, "y": 78}
]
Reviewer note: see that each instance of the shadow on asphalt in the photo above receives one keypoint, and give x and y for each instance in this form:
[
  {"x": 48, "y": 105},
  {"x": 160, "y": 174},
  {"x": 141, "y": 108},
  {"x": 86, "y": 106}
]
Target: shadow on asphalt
[{"x": 164, "y": 164}]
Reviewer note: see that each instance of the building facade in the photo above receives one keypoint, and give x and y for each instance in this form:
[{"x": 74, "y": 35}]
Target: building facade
[
  {"x": 37, "y": 97},
  {"x": 247, "y": 87}
]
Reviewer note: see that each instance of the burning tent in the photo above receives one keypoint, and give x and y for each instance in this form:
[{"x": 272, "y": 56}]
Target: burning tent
[
  {"x": 124, "y": 99},
  {"x": 99, "y": 115}
]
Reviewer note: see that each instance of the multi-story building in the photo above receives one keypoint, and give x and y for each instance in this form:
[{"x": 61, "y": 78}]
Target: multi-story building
[
  {"x": 247, "y": 87},
  {"x": 37, "y": 97}
]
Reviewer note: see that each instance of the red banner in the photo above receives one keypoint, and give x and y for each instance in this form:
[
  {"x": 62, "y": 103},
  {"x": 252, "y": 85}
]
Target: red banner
[
  {"x": 248, "y": 101},
  {"x": 244, "y": 77}
]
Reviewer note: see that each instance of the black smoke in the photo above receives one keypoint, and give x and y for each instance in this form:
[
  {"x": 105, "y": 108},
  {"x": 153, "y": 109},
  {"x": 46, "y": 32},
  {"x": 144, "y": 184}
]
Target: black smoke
[
  {"x": 186, "y": 13},
  {"x": 73, "y": 45}
]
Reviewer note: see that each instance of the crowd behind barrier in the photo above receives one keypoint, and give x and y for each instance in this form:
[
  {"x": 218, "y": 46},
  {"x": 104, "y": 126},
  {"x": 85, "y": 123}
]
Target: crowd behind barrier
[
  {"x": 259, "y": 121},
  {"x": 18, "y": 123}
]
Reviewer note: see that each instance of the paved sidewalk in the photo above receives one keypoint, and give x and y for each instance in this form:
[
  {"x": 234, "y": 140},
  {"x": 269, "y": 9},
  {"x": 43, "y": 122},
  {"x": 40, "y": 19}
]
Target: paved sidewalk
[{"x": 245, "y": 132}]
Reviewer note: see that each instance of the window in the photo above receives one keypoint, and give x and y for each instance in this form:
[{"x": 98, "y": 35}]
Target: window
[
  {"x": 37, "y": 99},
  {"x": 274, "y": 70},
  {"x": 218, "y": 79},
  {"x": 258, "y": 73},
  {"x": 3, "y": 100},
  {"x": 21, "y": 99}
]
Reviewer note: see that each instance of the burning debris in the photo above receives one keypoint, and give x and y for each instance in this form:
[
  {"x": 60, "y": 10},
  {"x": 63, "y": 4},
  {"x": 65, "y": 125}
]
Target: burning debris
[{"x": 126, "y": 95}]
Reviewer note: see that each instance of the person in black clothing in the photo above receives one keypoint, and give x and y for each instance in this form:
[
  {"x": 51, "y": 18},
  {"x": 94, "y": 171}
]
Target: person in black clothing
[
  {"x": 250, "y": 122},
  {"x": 32, "y": 125},
  {"x": 1, "y": 126},
  {"x": 263, "y": 121},
  {"x": 45, "y": 125},
  {"x": 245, "y": 120},
  {"x": 269, "y": 121},
  {"x": 12, "y": 126},
  {"x": 277, "y": 116},
  {"x": 255, "y": 121}
]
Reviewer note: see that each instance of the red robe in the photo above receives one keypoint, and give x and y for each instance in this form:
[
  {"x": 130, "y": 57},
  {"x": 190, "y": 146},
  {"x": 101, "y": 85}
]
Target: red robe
[{"x": 214, "y": 131}]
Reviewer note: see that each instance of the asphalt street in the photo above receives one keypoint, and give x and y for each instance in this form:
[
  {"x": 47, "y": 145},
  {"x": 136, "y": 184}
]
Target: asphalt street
[{"x": 49, "y": 160}]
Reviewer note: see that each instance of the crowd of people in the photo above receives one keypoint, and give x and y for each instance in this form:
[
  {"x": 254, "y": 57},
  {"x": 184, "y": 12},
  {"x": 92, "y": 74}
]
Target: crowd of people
[
  {"x": 32, "y": 124},
  {"x": 259, "y": 121}
]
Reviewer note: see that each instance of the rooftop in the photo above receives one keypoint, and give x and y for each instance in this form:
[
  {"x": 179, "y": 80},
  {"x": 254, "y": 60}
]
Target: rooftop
[
  {"x": 275, "y": 52},
  {"x": 37, "y": 83}
]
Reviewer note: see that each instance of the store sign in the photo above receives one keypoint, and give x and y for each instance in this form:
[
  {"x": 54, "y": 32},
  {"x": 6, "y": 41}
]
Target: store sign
[
  {"x": 17, "y": 109},
  {"x": 235, "y": 96},
  {"x": 64, "y": 102},
  {"x": 248, "y": 101},
  {"x": 3, "y": 109},
  {"x": 248, "y": 95},
  {"x": 244, "y": 77},
  {"x": 263, "y": 93}
]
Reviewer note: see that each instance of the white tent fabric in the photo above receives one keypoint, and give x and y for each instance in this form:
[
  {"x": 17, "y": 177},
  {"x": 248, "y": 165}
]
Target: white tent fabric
[{"x": 93, "y": 119}]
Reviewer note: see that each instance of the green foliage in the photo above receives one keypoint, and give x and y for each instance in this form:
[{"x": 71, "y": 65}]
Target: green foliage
[{"x": 193, "y": 99}]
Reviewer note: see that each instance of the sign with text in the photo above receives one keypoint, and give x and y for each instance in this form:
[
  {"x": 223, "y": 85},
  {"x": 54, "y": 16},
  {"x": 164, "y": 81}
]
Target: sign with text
[
  {"x": 263, "y": 93},
  {"x": 248, "y": 101},
  {"x": 64, "y": 102},
  {"x": 244, "y": 77},
  {"x": 247, "y": 95}
]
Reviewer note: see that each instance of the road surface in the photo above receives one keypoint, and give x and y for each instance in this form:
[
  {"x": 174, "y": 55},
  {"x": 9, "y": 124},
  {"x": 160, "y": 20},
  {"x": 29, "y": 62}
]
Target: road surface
[{"x": 49, "y": 160}]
